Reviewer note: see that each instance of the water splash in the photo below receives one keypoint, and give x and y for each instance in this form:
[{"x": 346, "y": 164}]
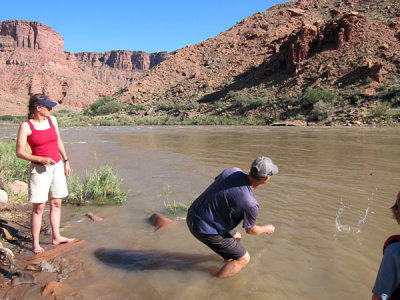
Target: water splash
[{"x": 358, "y": 224}]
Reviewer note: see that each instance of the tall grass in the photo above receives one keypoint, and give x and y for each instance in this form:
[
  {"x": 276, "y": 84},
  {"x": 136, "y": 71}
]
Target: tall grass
[
  {"x": 100, "y": 187},
  {"x": 173, "y": 207},
  {"x": 11, "y": 167}
]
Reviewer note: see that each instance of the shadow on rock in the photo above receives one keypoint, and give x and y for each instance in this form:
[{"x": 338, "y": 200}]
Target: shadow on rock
[{"x": 138, "y": 260}]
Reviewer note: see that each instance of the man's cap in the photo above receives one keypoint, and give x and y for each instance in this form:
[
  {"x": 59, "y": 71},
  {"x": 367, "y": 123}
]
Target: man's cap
[
  {"x": 46, "y": 102},
  {"x": 263, "y": 167}
]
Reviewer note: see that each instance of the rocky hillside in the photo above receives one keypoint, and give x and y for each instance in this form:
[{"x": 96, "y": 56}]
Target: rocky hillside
[
  {"x": 32, "y": 60},
  {"x": 310, "y": 60}
]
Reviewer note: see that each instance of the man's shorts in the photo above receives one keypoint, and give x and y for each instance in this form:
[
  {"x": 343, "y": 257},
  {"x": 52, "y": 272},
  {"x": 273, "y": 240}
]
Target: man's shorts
[
  {"x": 226, "y": 246},
  {"x": 47, "y": 182}
]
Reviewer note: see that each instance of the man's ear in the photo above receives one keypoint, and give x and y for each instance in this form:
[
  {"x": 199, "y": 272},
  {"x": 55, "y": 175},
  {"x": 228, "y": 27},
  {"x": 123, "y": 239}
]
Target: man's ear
[{"x": 266, "y": 179}]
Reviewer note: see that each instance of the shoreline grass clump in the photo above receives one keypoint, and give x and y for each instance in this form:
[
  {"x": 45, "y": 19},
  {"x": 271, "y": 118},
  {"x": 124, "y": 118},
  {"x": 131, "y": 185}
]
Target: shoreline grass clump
[
  {"x": 11, "y": 168},
  {"x": 173, "y": 207},
  {"x": 100, "y": 187}
]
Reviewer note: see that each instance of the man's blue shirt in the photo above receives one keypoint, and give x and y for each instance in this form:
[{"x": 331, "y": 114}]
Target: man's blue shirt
[{"x": 224, "y": 204}]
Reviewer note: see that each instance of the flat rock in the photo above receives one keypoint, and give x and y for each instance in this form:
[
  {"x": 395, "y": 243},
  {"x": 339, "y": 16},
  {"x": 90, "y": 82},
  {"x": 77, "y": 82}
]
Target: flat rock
[{"x": 51, "y": 253}]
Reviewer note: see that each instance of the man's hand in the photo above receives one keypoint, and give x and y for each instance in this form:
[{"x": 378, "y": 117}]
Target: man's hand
[{"x": 269, "y": 229}]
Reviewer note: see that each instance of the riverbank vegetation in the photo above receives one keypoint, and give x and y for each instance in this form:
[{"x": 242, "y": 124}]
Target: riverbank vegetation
[
  {"x": 315, "y": 106},
  {"x": 98, "y": 187}
]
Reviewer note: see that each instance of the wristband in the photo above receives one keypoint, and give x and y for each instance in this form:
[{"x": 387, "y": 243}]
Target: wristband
[{"x": 66, "y": 160}]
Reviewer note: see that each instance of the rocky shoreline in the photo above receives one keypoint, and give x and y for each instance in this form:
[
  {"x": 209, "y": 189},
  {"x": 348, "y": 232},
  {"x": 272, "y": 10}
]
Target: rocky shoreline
[
  {"x": 46, "y": 276},
  {"x": 53, "y": 274}
]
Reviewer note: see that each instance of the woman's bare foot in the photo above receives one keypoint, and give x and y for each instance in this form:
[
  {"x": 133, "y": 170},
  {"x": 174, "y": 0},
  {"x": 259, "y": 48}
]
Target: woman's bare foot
[
  {"x": 37, "y": 249},
  {"x": 62, "y": 240}
]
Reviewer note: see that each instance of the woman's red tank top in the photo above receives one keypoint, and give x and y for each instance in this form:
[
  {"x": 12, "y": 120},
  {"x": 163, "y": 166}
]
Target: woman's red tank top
[{"x": 44, "y": 142}]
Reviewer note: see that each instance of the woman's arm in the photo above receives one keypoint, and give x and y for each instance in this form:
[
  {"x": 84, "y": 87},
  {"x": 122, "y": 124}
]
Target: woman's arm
[
  {"x": 61, "y": 148},
  {"x": 20, "y": 151}
]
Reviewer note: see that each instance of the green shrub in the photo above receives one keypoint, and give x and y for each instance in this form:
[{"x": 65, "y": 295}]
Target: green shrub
[
  {"x": 321, "y": 111},
  {"x": 63, "y": 112},
  {"x": 104, "y": 106},
  {"x": 218, "y": 104},
  {"x": 240, "y": 100},
  {"x": 380, "y": 110},
  {"x": 192, "y": 105},
  {"x": 315, "y": 94},
  {"x": 164, "y": 107},
  {"x": 100, "y": 187},
  {"x": 12, "y": 119},
  {"x": 135, "y": 108},
  {"x": 231, "y": 94}
]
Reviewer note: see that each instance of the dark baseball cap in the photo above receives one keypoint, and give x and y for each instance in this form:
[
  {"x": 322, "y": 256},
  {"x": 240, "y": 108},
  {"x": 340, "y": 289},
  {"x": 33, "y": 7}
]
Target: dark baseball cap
[
  {"x": 46, "y": 102},
  {"x": 263, "y": 167}
]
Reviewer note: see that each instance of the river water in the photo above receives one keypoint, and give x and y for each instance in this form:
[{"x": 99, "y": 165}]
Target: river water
[{"x": 329, "y": 205}]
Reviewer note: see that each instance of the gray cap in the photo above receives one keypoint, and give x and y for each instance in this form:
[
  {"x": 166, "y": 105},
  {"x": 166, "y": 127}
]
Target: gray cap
[{"x": 263, "y": 167}]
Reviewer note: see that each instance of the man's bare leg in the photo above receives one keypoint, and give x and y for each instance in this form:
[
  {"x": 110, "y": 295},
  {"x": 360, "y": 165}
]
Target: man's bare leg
[{"x": 232, "y": 267}]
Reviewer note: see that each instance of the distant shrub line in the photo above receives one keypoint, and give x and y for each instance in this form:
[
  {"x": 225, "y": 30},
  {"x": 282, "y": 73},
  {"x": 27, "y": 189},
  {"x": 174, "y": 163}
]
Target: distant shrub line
[{"x": 233, "y": 108}]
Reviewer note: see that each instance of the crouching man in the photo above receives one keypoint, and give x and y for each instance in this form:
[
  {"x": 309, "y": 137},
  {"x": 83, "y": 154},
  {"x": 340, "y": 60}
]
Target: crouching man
[{"x": 230, "y": 199}]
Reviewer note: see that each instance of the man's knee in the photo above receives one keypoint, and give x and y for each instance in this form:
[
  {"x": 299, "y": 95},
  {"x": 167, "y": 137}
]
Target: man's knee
[
  {"x": 244, "y": 260},
  {"x": 238, "y": 236}
]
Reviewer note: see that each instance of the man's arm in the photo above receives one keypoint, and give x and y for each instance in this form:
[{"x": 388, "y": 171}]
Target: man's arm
[{"x": 268, "y": 229}]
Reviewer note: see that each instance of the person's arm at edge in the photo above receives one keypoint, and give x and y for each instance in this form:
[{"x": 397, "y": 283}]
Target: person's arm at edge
[
  {"x": 376, "y": 297},
  {"x": 268, "y": 229},
  {"x": 61, "y": 148}
]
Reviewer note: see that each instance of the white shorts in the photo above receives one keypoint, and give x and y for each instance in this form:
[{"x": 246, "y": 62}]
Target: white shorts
[{"x": 47, "y": 182}]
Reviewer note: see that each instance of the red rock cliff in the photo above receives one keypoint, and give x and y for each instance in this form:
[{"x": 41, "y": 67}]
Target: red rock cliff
[
  {"x": 122, "y": 59},
  {"x": 33, "y": 35}
]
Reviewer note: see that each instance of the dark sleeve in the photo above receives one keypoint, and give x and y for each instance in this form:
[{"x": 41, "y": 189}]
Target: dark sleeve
[
  {"x": 387, "y": 279},
  {"x": 250, "y": 216}
]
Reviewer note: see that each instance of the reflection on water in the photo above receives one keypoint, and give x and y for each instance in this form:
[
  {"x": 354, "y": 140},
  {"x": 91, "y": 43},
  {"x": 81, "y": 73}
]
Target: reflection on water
[{"x": 329, "y": 204}]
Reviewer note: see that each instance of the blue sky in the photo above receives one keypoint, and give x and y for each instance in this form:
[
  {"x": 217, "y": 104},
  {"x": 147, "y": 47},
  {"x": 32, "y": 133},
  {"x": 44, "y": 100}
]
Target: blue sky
[{"x": 151, "y": 26}]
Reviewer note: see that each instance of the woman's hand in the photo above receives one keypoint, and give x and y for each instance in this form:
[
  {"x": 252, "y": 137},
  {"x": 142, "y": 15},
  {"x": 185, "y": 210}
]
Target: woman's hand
[
  {"x": 46, "y": 161},
  {"x": 67, "y": 168}
]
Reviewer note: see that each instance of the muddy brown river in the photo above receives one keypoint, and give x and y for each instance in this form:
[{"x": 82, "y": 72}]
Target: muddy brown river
[{"x": 329, "y": 205}]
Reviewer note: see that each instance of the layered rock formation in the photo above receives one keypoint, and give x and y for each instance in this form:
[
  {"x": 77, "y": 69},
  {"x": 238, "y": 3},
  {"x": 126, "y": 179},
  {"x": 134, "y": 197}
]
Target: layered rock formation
[
  {"x": 340, "y": 45},
  {"x": 122, "y": 59},
  {"x": 31, "y": 35},
  {"x": 32, "y": 60}
]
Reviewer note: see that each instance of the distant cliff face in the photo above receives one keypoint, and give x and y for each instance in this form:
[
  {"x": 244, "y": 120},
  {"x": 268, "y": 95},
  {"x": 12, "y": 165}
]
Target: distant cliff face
[
  {"x": 31, "y": 35},
  {"x": 122, "y": 59},
  {"x": 32, "y": 60}
]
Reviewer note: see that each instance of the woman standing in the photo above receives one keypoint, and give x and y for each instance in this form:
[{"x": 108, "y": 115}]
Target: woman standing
[{"x": 46, "y": 173}]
